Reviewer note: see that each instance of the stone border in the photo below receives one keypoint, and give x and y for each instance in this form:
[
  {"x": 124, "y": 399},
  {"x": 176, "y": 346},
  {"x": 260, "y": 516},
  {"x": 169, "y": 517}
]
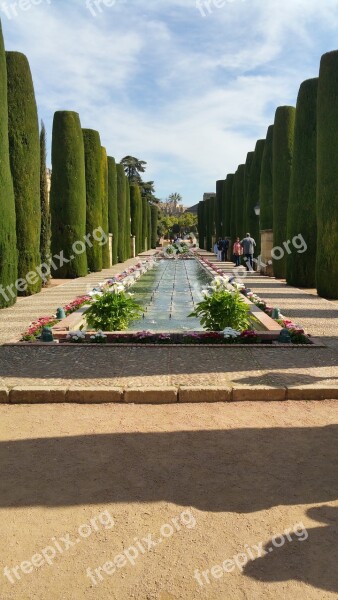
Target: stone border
[
  {"x": 164, "y": 395},
  {"x": 316, "y": 343}
]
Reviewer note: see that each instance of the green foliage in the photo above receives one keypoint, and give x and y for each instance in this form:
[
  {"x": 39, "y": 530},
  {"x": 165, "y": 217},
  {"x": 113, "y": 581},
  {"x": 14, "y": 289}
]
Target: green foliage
[
  {"x": 106, "y": 261},
  {"x": 327, "y": 182},
  {"x": 144, "y": 224},
  {"x": 265, "y": 188},
  {"x": 132, "y": 168},
  {"x": 92, "y": 152},
  {"x": 300, "y": 268},
  {"x": 8, "y": 251},
  {"x": 233, "y": 226},
  {"x": 222, "y": 309},
  {"x": 252, "y": 199},
  {"x": 127, "y": 226},
  {"x": 112, "y": 312},
  {"x": 248, "y": 163},
  {"x": 154, "y": 223},
  {"x": 219, "y": 207},
  {"x": 24, "y": 152},
  {"x": 121, "y": 209},
  {"x": 149, "y": 226},
  {"x": 136, "y": 215},
  {"x": 210, "y": 221},
  {"x": 112, "y": 206},
  {"x": 227, "y": 198},
  {"x": 68, "y": 193},
  {"x": 239, "y": 204},
  {"x": 201, "y": 224},
  {"x": 283, "y": 140},
  {"x": 45, "y": 234}
]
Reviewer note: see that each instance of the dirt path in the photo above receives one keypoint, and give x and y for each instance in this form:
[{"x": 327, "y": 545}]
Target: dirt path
[{"x": 88, "y": 486}]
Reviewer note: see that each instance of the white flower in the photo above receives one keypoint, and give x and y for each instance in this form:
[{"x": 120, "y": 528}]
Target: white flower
[
  {"x": 228, "y": 332},
  {"x": 92, "y": 337}
]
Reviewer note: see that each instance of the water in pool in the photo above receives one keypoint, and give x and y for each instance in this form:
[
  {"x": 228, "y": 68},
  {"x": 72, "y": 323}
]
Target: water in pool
[{"x": 168, "y": 293}]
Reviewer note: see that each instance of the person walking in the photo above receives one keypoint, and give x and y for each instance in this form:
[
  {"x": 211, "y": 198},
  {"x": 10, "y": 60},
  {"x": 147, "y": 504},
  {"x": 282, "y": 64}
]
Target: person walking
[
  {"x": 237, "y": 251},
  {"x": 248, "y": 244},
  {"x": 225, "y": 247}
]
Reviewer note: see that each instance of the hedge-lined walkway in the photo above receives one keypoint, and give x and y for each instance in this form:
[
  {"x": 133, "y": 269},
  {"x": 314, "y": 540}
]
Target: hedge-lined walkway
[{"x": 159, "y": 367}]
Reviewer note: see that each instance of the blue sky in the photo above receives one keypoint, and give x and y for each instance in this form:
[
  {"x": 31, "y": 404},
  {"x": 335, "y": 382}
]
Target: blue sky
[{"x": 189, "y": 88}]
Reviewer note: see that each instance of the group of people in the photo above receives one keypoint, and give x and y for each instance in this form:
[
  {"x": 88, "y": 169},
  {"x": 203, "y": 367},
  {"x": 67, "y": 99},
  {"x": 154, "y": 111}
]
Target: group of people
[{"x": 244, "y": 247}]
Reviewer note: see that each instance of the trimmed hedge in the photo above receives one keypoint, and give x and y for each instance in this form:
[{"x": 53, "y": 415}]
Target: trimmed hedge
[
  {"x": 24, "y": 153},
  {"x": 210, "y": 222},
  {"x": 8, "y": 251},
  {"x": 127, "y": 226},
  {"x": 219, "y": 208},
  {"x": 201, "y": 224},
  {"x": 112, "y": 207},
  {"x": 252, "y": 199},
  {"x": 227, "y": 198},
  {"x": 106, "y": 261},
  {"x": 283, "y": 140},
  {"x": 233, "y": 219},
  {"x": 265, "y": 188},
  {"x": 240, "y": 201},
  {"x": 121, "y": 209},
  {"x": 302, "y": 217},
  {"x": 92, "y": 153},
  {"x": 327, "y": 177},
  {"x": 45, "y": 233},
  {"x": 68, "y": 193},
  {"x": 154, "y": 223},
  {"x": 136, "y": 214},
  {"x": 248, "y": 163},
  {"x": 149, "y": 227},
  {"x": 144, "y": 224}
]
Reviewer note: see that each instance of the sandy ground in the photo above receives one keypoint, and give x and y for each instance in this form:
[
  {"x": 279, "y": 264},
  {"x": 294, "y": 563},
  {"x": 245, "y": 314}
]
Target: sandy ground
[{"x": 159, "y": 494}]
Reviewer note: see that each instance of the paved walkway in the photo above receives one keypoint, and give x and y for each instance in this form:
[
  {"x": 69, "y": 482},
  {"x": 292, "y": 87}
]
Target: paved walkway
[{"x": 160, "y": 367}]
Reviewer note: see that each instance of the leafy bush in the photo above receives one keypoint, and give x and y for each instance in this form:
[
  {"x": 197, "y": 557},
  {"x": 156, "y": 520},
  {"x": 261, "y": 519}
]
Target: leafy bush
[
  {"x": 112, "y": 311},
  {"x": 222, "y": 309}
]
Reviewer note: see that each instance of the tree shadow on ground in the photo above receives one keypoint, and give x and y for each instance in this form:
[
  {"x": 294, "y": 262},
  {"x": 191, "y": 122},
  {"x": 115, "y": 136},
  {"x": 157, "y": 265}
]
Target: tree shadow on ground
[
  {"x": 278, "y": 379},
  {"x": 240, "y": 470},
  {"x": 313, "y": 560}
]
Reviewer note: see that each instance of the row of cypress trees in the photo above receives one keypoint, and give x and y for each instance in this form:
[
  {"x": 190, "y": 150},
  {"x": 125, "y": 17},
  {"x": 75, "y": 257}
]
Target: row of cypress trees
[
  {"x": 293, "y": 175},
  {"x": 88, "y": 191}
]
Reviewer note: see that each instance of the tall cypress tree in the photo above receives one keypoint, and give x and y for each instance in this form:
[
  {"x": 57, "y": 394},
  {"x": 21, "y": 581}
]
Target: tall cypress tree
[
  {"x": 144, "y": 224},
  {"x": 227, "y": 200},
  {"x": 283, "y": 140},
  {"x": 154, "y": 223},
  {"x": 106, "y": 262},
  {"x": 149, "y": 227},
  {"x": 136, "y": 214},
  {"x": 302, "y": 217},
  {"x": 265, "y": 188},
  {"x": 327, "y": 178},
  {"x": 127, "y": 225},
  {"x": 68, "y": 194},
  {"x": 240, "y": 199},
  {"x": 201, "y": 224},
  {"x": 92, "y": 153},
  {"x": 219, "y": 208},
  {"x": 112, "y": 206},
  {"x": 121, "y": 208},
  {"x": 8, "y": 251},
  {"x": 45, "y": 235},
  {"x": 233, "y": 224},
  {"x": 252, "y": 199},
  {"x": 24, "y": 151},
  {"x": 248, "y": 163}
]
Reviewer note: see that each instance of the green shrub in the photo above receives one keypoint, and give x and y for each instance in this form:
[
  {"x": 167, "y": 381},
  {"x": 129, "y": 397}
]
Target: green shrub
[
  {"x": 24, "y": 152},
  {"x": 154, "y": 223},
  {"x": 45, "y": 234},
  {"x": 327, "y": 178},
  {"x": 121, "y": 209},
  {"x": 219, "y": 208},
  {"x": 113, "y": 311},
  {"x": 136, "y": 215},
  {"x": 144, "y": 224},
  {"x": 127, "y": 225},
  {"x": 252, "y": 199},
  {"x": 239, "y": 206},
  {"x": 201, "y": 224},
  {"x": 222, "y": 309},
  {"x": 92, "y": 152},
  {"x": 227, "y": 199},
  {"x": 248, "y": 163},
  {"x": 301, "y": 268}
]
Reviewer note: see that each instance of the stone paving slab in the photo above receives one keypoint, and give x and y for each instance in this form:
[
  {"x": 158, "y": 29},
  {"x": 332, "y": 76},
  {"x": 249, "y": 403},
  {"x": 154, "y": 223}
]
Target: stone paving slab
[{"x": 252, "y": 372}]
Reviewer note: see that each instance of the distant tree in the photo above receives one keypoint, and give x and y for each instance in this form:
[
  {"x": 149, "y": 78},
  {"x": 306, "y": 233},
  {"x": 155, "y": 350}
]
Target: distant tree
[
  {"x": 148, "y": 192},
  {"x": 174, "y": 197},
  {"x": 133, "y": 167}
]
